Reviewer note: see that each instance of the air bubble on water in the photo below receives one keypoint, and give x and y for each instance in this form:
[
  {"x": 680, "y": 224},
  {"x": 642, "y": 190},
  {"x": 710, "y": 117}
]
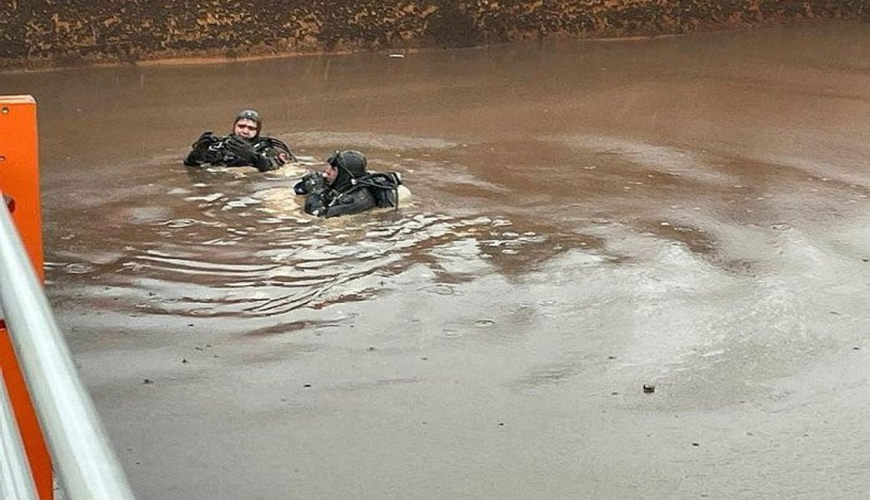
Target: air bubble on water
[
  {"x": 178, "y": 223},
  {"x": 79, "y": 268}
]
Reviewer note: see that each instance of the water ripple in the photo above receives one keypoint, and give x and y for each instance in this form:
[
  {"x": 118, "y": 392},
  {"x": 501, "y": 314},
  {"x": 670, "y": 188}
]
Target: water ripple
[{"x": 267, "y": 270}]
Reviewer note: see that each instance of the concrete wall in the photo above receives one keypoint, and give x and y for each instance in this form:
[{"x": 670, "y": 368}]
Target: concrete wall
[{"x": 37, "y": 33}]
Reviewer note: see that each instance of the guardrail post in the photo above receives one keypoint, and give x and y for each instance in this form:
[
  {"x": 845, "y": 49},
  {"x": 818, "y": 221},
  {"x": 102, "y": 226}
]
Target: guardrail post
[{"x": 19, "y": 185}]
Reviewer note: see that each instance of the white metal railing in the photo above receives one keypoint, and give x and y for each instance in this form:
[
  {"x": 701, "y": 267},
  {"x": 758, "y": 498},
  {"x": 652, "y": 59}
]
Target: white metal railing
[
  {"x": 83, "y": 459},
  {"x": 15, "y": 479}
]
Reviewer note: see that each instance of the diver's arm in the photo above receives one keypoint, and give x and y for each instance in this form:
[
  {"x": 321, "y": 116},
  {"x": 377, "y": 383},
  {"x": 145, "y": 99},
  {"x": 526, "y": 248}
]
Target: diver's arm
[
  {"x": 280, "y": 150},
  {"x": 316, "y": 204},
  {"x": 271, "y": 154},
  {"x": 263, "y": 164},
  {"x": 199, "y": 152},
  {"x": 313, "y": 187},
  {"x": 246, "y": 154},
  {"x": 193, "y": 159}
]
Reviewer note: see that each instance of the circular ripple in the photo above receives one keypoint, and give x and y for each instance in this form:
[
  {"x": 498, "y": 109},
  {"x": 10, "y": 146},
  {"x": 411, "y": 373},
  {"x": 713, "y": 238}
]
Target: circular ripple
[
  {"x": 79, "y": 268},
  {"x": 176, "y": 223}
]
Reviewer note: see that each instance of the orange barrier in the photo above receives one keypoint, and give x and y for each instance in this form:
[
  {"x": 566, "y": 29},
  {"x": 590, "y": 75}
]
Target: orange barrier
[{"x": 19, "y": 185}]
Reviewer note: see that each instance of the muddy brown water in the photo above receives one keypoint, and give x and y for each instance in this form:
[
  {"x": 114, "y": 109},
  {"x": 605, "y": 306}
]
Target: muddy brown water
[{"x": 585, "y": 218}]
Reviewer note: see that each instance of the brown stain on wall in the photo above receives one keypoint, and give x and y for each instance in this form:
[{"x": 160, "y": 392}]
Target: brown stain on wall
[{"x": 47, "y": 33}]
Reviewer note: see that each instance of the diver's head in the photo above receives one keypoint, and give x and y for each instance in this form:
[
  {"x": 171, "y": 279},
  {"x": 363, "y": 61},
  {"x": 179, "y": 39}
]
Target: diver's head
[
  {"x": 345, "y": 166},
  {"x": 248, "y": 124}
]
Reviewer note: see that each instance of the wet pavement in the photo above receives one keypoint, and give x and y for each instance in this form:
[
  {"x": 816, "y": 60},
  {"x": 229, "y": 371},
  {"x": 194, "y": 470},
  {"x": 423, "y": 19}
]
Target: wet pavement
[{"x": 688, "y": 213}]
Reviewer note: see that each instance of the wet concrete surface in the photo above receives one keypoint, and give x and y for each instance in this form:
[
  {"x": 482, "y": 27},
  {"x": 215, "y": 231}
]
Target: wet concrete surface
[{"x": 586, "y": 218}]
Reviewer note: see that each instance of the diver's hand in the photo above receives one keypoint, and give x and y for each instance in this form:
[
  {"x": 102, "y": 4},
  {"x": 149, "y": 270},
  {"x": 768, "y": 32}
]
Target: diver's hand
[
  {"x": 315, "y": 183},
  {"x": 204, "y": 150},
  {"x": 241, "y": 148},
  {"x": 204, "y": 141}
]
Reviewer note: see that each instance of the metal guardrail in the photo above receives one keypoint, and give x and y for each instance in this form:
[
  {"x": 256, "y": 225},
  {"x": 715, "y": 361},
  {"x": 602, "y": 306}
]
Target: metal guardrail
[
  {"x": 15, "y": 479},
  {"x": 83, "y": 459}
]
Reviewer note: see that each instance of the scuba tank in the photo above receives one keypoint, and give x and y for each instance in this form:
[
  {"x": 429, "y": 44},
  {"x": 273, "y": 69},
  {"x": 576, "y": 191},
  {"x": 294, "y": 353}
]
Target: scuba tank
[{"x": 383, "y": 185}]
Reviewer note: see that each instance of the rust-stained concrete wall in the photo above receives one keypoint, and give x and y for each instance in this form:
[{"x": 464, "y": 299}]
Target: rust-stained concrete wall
[{"x": 71, "y": 32}]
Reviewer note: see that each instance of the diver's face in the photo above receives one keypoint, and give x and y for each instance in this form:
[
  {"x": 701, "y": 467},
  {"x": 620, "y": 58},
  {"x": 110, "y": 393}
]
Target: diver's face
[
  {"x": 245, "y": 128},
  {"x": 331, "y": 173}
]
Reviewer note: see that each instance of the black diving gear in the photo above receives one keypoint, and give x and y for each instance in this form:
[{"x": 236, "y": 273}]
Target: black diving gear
[
  {"x": 354, "y": 190},
  {"x": 263, "y": 153}
]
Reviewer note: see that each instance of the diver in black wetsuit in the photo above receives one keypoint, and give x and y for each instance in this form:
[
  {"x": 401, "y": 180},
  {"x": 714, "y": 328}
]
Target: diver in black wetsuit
[
  {"x": 244, "y": 147},
  {"x": 345, "y": 187}
]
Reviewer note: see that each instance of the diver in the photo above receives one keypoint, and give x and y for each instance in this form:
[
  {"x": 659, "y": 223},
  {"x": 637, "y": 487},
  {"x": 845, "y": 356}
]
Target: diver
[
  {"x": 243, "y": 147},
  {"x": 346, "y": 187}
]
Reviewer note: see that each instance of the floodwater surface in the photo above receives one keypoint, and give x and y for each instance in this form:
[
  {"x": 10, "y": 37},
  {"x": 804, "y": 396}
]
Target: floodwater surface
[{"x": 585, "y": 218}]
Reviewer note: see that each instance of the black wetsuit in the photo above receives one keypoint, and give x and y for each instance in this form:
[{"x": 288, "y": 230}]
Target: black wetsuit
[
  {"x": 263, "y": 153},
  {"x": 348, "y": 196}
]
